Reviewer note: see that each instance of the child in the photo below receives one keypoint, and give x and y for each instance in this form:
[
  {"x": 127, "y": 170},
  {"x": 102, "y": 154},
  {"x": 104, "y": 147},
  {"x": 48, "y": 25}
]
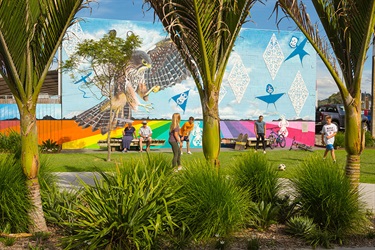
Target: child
[
  {"x": 329, "y": 131},
  {"x": 185, "y": 133}
]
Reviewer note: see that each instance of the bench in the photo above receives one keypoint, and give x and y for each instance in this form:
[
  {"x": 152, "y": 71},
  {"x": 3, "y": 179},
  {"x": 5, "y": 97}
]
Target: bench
[
  {"x": 252, "y": 141},
  {"x": 231, "y": 142},
  {"x": 116, "y": 143}
]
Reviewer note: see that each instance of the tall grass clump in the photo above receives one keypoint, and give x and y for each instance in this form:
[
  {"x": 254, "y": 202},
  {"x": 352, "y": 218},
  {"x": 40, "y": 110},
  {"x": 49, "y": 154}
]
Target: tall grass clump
[
  {"x": 326, "y": 195},
  {"x": 46, "y": 173},
  {"x": 57, "y": 202},
  {"x": 127, "y": 209},
  {"x": 10, "y": 141},
  {"x": 162, "y": 160},
  {"x": 253, "y": 173},
  {"x": 14, "y": 200},
  {"x": 209, "y": 203},
  {"x": 58, "y": 205}
]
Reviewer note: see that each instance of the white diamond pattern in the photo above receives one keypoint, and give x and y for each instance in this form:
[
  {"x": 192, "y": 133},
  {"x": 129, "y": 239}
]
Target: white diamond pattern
[
  {"x": 298, "y": 93},
  {"x": 238, "y": 78},
  {"x": 222, "y": 93},
  {"x": 72, "y": 37},
  {"x": 273, "y": 56}
]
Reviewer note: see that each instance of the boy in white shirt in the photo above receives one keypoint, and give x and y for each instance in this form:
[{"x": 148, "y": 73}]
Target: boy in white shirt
[{"x": 329, "y": 131}]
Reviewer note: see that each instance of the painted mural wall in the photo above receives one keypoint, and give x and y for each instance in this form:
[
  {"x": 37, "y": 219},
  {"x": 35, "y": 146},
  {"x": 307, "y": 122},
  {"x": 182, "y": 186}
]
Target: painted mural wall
[{"x": 270, "y": 73}]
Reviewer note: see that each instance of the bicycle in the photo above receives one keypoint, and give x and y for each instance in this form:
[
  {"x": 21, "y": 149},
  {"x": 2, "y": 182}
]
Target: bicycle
[
  {"x": 276, "y": 139},
  {"x": 300, "y": 146}
]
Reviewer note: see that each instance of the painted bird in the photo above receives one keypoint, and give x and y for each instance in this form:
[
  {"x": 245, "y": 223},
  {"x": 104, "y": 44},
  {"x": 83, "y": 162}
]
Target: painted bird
[{"x": 159, "y": 68}]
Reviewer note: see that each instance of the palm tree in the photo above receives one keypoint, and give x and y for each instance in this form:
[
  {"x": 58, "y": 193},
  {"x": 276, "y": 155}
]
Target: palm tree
[
  {"x": 349, "y": 26},
  {"x": 30, "y": 33},
  {"x": 204, "y": 33}
]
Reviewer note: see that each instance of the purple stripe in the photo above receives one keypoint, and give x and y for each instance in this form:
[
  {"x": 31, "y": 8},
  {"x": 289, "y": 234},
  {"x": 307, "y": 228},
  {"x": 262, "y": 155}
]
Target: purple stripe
[{"x": 225, "y": 132}]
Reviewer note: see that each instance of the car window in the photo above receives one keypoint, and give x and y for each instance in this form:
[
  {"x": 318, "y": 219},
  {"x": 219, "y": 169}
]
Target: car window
[{"x": 341, "y": 107}]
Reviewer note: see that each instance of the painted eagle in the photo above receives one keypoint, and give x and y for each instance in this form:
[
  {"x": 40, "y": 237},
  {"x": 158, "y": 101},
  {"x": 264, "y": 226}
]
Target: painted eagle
[{"x": 159, "y": 68}]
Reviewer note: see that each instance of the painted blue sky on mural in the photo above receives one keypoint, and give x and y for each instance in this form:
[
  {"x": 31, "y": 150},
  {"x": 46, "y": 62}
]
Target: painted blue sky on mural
[
  {"x": 261, "y": 18},
  {"x": 260, "y": 58}
]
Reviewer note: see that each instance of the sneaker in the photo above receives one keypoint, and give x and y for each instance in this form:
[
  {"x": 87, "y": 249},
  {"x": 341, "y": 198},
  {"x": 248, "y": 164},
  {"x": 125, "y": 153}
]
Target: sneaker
[
  {"x": 177, "y": 169},
  {"x": 334, "y": 161},
  {"x": 255, "y": 151},
  {"x": 140, "y": 151},
  {"x": 189, "y": 152},
  {"x": 182, "y": 153},
  {"x": 264, "y": 151}
]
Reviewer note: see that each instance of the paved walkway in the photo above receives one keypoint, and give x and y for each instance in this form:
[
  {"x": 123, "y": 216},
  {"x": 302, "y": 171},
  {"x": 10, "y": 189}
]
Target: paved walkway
[{"x": 71, "y": 179}]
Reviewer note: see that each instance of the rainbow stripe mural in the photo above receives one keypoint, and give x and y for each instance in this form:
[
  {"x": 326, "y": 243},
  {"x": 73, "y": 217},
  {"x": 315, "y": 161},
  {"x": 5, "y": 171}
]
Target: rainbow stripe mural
[{"x": 68, "y": 134}]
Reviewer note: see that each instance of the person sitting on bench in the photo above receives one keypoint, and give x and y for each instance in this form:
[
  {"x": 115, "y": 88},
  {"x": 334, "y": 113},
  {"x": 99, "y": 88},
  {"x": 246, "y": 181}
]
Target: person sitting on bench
[{"x": 145, "y": 134}]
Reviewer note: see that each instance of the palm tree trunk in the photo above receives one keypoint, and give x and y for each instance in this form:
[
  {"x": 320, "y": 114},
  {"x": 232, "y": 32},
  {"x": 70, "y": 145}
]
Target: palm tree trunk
[
  {"x": 36, "y": 214},
  {"x": 354, "y": 143},
  {"x": 211, "y": 130},
  {"x": 30, "y": 164}
]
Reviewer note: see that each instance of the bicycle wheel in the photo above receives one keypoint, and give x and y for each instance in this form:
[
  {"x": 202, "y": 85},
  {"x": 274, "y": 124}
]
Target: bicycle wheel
[
  {"x": 308, "y": 148},
  {"x": 282, "y": 141},
  {"x": 271, "y": 141}
]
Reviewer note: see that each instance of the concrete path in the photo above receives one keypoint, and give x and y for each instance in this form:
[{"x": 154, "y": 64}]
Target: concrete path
[
  {"x": 71, "y": 180},
  {"x": 368, "y": 195}
]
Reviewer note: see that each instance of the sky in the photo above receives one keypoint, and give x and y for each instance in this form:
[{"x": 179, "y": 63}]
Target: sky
[{"x": 261, "y": 18}]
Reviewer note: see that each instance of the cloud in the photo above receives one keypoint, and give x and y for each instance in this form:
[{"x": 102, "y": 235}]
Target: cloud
[{"x": 227, "y": 113}]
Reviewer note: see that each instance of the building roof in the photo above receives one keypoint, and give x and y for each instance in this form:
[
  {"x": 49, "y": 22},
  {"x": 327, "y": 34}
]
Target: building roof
[{"x": 50, "y": 85}]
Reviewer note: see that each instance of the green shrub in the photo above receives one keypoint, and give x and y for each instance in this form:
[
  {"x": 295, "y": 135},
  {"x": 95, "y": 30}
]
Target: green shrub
[
  {"x": 287, "y": 208},
  {"x": 9, "y": 241},
  {"x": 369, "y": 141},
  {"x": 326, "y": 196},
  {"x": 339, "y": 140},
  {"x": 46, "y": 173},
  {"x": 164, "y": 162},
  {"x": 321, "y": 237},
  {"x": 124, "y": 210},
  {"x": 10, "y": 142},
  {"x": 58, "y": 205},
  {"x": 49, "y": 146},
  {"x": 253, "y": 243},
  {"x": 263, "y": 215},
  {"x": 300, "y": 226},
  {"x": 253, "y": 173},
  {"x": 210, "y": 203},
  {"x": 14, "y": 200}
]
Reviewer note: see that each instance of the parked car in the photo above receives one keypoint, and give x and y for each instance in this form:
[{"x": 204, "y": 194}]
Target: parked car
[{"x": 337, "y": 112}]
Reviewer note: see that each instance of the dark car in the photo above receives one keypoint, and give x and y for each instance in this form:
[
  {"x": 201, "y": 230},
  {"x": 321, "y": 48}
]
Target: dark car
[{"x": 337, "y": 112}]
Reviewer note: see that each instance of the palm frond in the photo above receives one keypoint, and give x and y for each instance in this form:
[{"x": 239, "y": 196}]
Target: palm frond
[
  {"x": 30, "y": 33},
  {"x": 348, "y": 25},
  {"x": 204, "y": 32}
]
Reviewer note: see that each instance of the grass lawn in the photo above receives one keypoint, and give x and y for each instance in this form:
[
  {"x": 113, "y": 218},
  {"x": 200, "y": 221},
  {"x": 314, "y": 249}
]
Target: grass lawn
[{"x": 89, "y": 162}]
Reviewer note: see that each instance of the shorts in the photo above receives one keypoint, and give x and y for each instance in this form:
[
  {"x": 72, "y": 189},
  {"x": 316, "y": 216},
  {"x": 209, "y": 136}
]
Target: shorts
[
  {"x": 184, "y": 138},
  {"x": 329, "y": 146}
]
